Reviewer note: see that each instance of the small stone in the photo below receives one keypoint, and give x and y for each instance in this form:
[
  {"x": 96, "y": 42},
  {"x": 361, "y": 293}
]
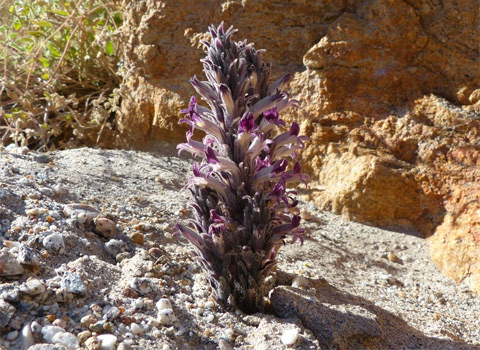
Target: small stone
[
  {"x": 9, "y": 198},
  {"x": 60, "y": 322},
  {"x": 290, "y": 336},
  {"x": 6, "y": 313},
  {"x": 130, "y": 293},
  {"x": 229, "y": 334},
  {"x": 27, "y": 256},
  {"x": 122, "y": 346},
  {"x": 59, "y": 189},
  {"x": 33, "y": 287},
  {"x": 301, "y": 282},
  {"x": 62, "y": 295},
  {"x": 73, "y": 283},
  {"x": 210, "y": 318},
  {"x": 143, "y": 285},
  {"x": 166, "y": 317},
  {"x": 122, "y": 256},
  {"x": 82, "y": 212},
  {"x": 83, "y": 336},
  {"x": 44, "y": 159},
  {"x": 306, "y": 215},
  {"x": 12, "y": 296},
  {"x": 54, "y": 242},
  {"x": 115, "y": 247},
  {"x": 110, "y": 312},
  {"x": 87, "y": 320},
  {"x": 224, "y": 345},
  {"x": 136, "y": 329},
  {"x": 31, "y": 212},
  {"x": 164, "y": 303},
  {"x": 26, "y": 336},
  {"x": 46, "y": 347},
  {"x": 9, "y": 266},
  {"x": 66, "y": 339},
  {"x": 45, "y": 191},
  {"x": 49, "y": 332},
  {"x": 101, "y": 326},
  {"x": 12, "y": 335},
  {"x": 35, "y": 327},
  {"x": 137, "y": 237},
  {"x": 209, "y": 304},
  {"x": 392, "y": 257},
  {"x": 93, "y": 343},
  {"x": 108, "y": 341},
  {"x": 105, "y": 227}
]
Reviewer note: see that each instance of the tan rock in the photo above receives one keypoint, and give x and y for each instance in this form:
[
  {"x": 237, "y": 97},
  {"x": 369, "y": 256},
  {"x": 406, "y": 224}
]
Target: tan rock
[
  {"x": 374, "y": 190},
  {"x": 455, "y": 247}
]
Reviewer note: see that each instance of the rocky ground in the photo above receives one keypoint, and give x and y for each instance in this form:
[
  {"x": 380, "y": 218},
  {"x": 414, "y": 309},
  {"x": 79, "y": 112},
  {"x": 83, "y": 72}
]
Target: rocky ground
[{"x": 89, "y": 260}]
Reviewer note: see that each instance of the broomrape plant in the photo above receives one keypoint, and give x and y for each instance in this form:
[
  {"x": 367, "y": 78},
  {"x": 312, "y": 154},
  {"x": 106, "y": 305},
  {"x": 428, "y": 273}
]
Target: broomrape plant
[{"x": 243, "y": 211}]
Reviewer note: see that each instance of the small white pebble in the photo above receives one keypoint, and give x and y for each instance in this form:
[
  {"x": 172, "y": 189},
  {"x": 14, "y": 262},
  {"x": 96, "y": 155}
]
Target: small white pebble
[
  {"x": 34, "y": 287},
  {"x": 290, "y": 336},
  {"x": 224, "y": 345},
  {"x": 108, "y": 341},
  {"x": 82, "y": 218},
  {"x": 163, "y": 304},
  {"x": 166, "y": 317},
  {"x": 210, "y": 318},
  {"x": 229, "y": 333},
  {"x": 139, "y": 303},
  {"x": 27, "y": 336},
  {"x": 31, "y": 212},
  {"x": 300, "y": 282},
  {"x": 168, "y": 235},
  {"x": 35, "y": 327},
  {"x": 54, "y": 242},
  {"x": 66, "y": 339},
  {"x": 209, "y": 304},
  {"x": 60, "y": 323},
  {"x": 136, "y": 329},
  {"x": 49, "y": 332}
]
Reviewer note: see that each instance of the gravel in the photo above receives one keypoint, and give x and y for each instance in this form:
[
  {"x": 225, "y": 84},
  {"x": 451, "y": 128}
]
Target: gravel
[{"x": 89, "y": 259}]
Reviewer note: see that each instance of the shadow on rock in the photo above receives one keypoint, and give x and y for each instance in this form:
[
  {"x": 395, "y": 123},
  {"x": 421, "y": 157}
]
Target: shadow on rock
[{"x": 344, "y": 321}]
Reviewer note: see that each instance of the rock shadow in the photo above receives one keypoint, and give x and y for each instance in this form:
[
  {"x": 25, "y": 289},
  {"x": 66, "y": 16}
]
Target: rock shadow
[{"x": 343, "y": 321}]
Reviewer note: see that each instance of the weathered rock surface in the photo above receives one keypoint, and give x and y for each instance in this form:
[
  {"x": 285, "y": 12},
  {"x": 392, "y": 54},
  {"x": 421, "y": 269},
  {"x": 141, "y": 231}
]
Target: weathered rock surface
[
  {"x": 455, "y": 247},
  {"x": 390, "y": 95}
]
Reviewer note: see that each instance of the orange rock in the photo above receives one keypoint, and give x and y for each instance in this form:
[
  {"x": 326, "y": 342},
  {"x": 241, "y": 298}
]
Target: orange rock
[{"x": 455, "y": 247}]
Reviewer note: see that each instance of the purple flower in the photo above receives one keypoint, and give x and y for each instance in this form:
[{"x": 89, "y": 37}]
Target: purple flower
[
  {"x": 243, "y": 210},
  {"x": 247, "y": 123}
]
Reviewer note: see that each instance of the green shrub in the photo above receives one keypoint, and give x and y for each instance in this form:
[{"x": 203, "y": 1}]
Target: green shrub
[{"x": 58, "y": 70}]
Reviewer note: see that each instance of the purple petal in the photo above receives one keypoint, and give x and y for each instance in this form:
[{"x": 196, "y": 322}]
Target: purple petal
[
  {"x": 215, "y": 217},
  {"x": 294, "y": 129},
  {"x": 246, "y": 123},
  {"x": 227, "y": 99},
  {"x": 211, "y": 157},
  {"x": 278, "y": 85},
  {"x": 265, "y": 104},
  {"x": 191, "y": 235}
]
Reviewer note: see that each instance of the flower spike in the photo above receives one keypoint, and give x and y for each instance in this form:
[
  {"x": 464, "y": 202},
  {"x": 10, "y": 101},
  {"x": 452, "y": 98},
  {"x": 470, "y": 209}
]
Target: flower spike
[{"x": 243, "y": 210}]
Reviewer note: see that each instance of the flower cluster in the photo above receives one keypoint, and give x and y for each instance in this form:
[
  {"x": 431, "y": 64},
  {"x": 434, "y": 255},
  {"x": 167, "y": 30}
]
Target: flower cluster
[{"x": 243, "y": 211}]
